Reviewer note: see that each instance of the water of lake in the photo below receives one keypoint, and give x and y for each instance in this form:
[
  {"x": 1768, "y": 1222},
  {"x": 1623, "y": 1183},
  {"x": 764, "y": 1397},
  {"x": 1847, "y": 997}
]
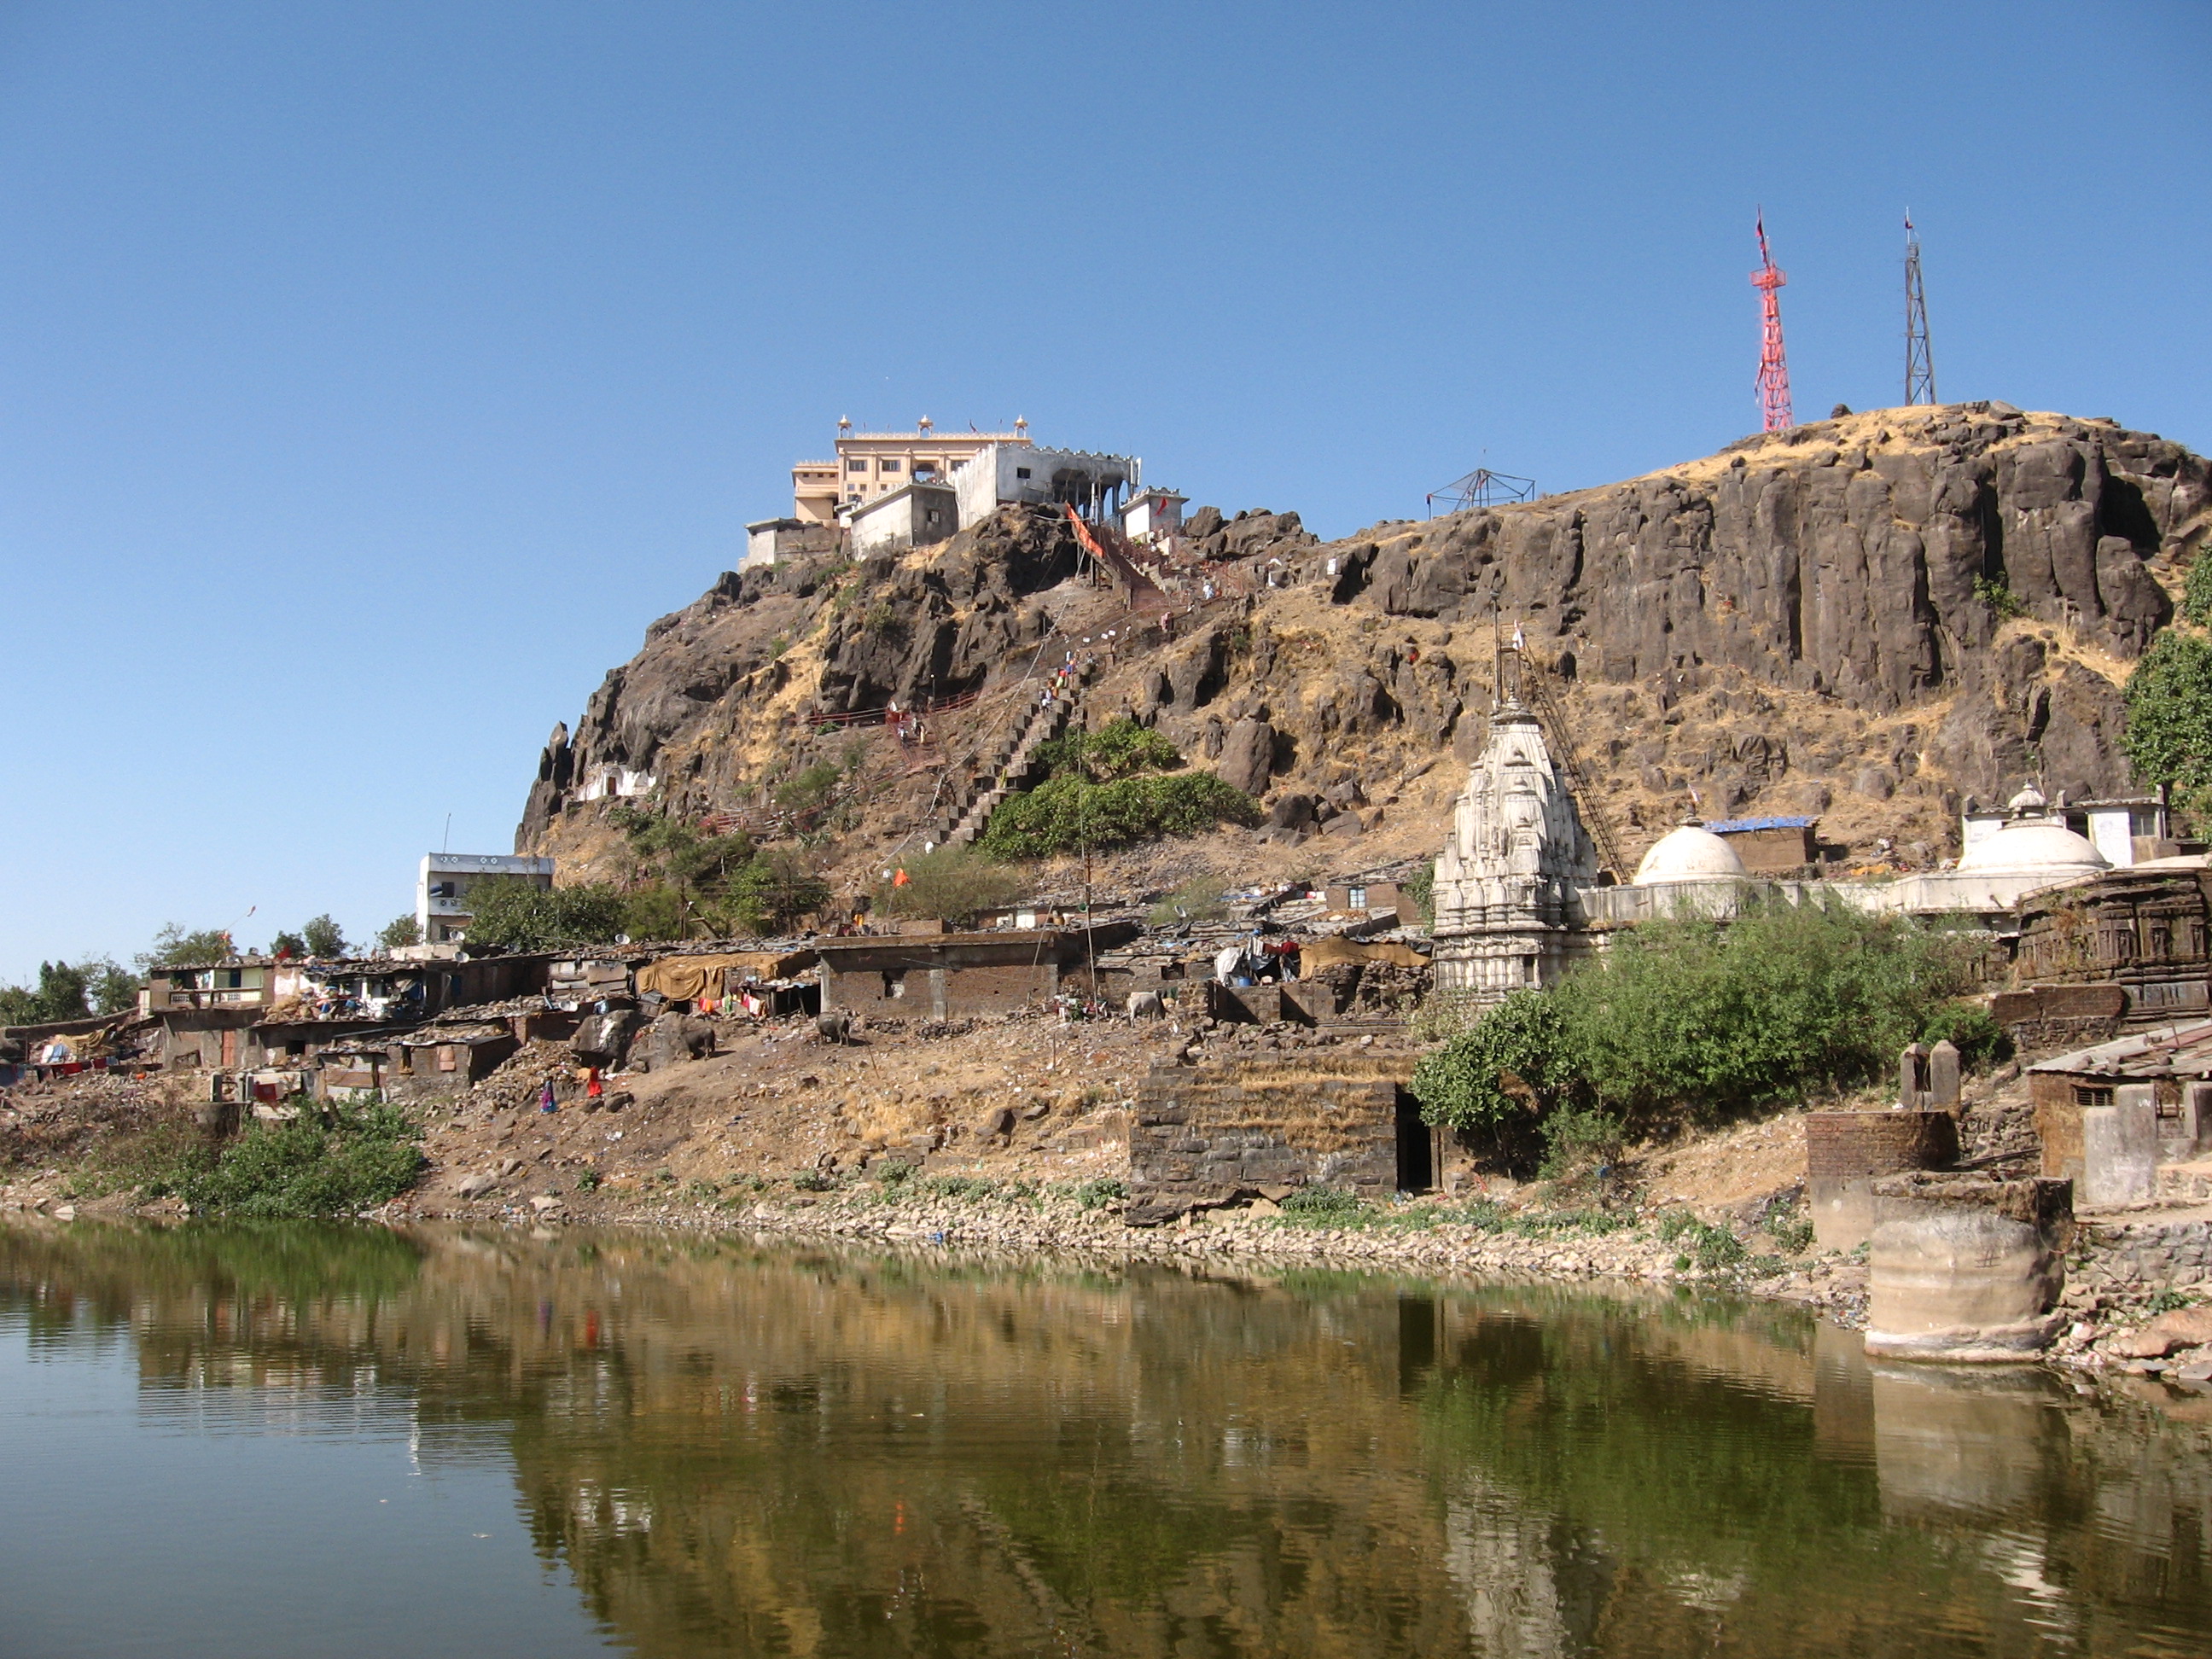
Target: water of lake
[{"x": 301, "y": 1441}]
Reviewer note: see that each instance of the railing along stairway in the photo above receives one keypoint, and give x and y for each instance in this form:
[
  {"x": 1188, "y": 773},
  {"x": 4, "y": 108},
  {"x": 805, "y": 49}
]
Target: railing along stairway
[{"x": 1130, "y": 580}]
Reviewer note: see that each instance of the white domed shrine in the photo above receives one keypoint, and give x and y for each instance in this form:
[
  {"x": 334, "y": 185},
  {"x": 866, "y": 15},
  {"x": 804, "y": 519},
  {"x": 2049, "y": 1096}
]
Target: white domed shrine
[{"x": 1689, "y": 852}]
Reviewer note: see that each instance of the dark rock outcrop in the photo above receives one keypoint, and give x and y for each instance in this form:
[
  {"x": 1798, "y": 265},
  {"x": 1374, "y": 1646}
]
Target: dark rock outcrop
[{"x": 1868, "y": 617}]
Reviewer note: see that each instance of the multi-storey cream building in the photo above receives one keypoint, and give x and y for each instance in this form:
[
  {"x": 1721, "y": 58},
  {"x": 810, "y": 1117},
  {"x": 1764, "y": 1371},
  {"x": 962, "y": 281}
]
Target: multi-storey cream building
[{"x": 872, "y": 464}]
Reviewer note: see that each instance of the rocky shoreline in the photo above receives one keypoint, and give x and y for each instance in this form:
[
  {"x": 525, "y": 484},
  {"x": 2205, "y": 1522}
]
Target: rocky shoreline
[{"x": 2112, "y": 1327}]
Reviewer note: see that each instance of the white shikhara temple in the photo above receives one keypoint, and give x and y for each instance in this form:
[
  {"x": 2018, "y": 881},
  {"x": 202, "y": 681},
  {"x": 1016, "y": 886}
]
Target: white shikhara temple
[
  {"x": 1506, "y": 916},
  {"x": 1518, "y": 902}
]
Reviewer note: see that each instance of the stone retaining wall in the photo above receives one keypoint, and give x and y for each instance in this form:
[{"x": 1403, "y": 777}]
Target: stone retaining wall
[
  {"x": 1205, "y": 1134},
  {"x": 2121, "y": 1254}
]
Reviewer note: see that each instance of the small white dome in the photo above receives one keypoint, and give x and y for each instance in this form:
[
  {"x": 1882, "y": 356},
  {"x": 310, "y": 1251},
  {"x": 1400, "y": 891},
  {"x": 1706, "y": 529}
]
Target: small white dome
[
  {"x": 2033, "y": 847},
  {"x": 2029, "y": 802},
  {"x": 1689, "y": 853}
]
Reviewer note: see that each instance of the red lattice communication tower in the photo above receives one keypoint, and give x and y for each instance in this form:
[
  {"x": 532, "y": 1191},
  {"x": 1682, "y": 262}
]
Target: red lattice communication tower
[{"x": 1773, "y": 365}]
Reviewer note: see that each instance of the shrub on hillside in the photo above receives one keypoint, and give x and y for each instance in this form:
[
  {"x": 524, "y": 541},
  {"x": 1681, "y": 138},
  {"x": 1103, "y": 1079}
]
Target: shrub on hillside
[{"x": 1119, "y": 749}]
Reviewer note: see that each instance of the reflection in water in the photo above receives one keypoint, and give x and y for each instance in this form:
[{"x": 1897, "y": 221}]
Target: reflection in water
[{"x": 740, "y": 1448}]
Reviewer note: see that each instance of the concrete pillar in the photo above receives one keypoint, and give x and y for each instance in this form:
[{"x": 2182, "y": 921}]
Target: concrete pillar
[
  {"x": 1944, "y": 1076},
  {"x": 2192, "y": 1135},
  {"x": 2119, "y": 1149},
  {"x": 1965, "y": 1269},
  {"x": 1912, "y": 1078}
]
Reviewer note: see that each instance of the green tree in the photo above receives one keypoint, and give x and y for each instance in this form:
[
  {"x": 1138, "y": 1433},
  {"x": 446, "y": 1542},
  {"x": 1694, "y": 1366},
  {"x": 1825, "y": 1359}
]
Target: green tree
[
  {"x": 809, "y": 788},
  {"x": 1202, "y": 898},
  {"x": 657, "y": 911},
  {"x": 953, "y": 882},
  {"x": 113, "y": 987},
  {"x": 2168, "y": 738},
  {"x": 324, "y": 937},
  {"x": 507, "y": 911},
  {"x": 688, "y": 869},
  {"x": 287, "y": 944},
  {"x": 59, "y": 995},
  {"x": 1066, "y": 815},
  {"x": 1513, "y": 1063},
  {"x": 399, "y": 932},
  {"x": 775, "y": 893},
  {"x": 175, "y": 945}
]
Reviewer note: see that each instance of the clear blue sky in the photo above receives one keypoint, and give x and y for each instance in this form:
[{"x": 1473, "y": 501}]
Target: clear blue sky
[{"x": 372, "y": 374}]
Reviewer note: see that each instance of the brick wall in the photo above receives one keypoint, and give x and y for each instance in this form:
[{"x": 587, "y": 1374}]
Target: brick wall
[
  {"x": 996, "y": 990},
  {"x": 1843, "y": 1146}
]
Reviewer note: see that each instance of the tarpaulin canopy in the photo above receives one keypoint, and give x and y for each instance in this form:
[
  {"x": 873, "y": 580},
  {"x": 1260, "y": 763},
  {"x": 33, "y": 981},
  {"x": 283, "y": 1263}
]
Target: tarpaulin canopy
[
  {"x": 687, "y": 979},
  {"x": 1323, "y": 952}
]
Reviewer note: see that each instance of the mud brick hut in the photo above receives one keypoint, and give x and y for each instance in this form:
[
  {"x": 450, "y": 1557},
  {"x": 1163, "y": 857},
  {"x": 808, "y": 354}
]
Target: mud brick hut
[{"x": 951, "y": 976}]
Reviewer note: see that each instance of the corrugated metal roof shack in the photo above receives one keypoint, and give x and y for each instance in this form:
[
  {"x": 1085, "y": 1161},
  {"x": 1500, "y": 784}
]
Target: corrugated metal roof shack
[
  {"x": 1770, "y": 847},
  {"x": 2168, "y": 1070}
]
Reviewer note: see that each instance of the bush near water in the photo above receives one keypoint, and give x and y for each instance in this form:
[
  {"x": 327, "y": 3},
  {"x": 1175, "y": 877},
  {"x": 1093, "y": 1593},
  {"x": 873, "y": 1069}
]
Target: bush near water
[
  {"x": 1689, "y": 1019},
  {"x": 335, "y": 1161}
]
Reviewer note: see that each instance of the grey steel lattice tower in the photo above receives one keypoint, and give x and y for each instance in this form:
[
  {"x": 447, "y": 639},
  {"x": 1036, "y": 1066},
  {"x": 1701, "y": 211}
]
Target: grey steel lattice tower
[{"x": 1919, "y": 362}]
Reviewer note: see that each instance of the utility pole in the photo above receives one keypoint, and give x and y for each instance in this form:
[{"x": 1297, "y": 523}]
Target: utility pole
[
  {"x": 1919, "y": 361},
  {"x": 1773, "y": 366}
]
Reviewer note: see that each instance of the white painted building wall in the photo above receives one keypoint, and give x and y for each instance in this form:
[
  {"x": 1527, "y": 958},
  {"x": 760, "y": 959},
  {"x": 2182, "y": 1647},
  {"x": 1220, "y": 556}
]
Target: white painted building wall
[
  {"x": 1002, "y": 474},
  {"x": 1154, "y": 515},
  {"x": 442, "y": 882},
  {"x": 915, "y": 515}
]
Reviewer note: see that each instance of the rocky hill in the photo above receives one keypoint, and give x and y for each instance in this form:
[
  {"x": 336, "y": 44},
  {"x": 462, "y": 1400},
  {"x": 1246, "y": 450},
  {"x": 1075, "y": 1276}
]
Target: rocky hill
[{"x": 1866, "y": 619}]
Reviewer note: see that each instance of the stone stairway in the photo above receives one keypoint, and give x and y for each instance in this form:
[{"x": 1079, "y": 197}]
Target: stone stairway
[{"x": 1009, "y": 767}]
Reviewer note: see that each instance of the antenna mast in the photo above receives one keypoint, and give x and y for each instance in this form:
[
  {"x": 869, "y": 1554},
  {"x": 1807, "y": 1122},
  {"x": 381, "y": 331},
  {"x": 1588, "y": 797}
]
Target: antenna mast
[
  {"x": 1773, "y": 366},
  {"x": 1919, "y": 361}
]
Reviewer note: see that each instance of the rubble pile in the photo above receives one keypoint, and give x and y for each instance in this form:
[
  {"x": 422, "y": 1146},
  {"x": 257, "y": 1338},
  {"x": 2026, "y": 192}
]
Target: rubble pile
[
  {"x": 522, "y": 1077},
  {"x": 70, "y": 1118},
  {"x": 1375, "y": 990}
]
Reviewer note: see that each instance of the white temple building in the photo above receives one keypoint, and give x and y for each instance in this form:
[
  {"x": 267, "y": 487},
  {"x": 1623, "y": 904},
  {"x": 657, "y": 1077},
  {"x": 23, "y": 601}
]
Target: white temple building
[
  {"x": 1506, "y": 881},
  {"x": 1518, "y": 902}
]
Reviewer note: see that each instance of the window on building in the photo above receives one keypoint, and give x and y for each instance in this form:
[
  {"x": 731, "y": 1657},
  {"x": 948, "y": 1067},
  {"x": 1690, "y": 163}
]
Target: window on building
[
  {"x": 1355, "y": 898},
  {"x": 2087, "y": 1094},
  {"x": 2143, "y": 821},
  {"x": 856, "y": 467},
  {"x": 891, "y": 464},
  {"x": 1021, "y": 472}
]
